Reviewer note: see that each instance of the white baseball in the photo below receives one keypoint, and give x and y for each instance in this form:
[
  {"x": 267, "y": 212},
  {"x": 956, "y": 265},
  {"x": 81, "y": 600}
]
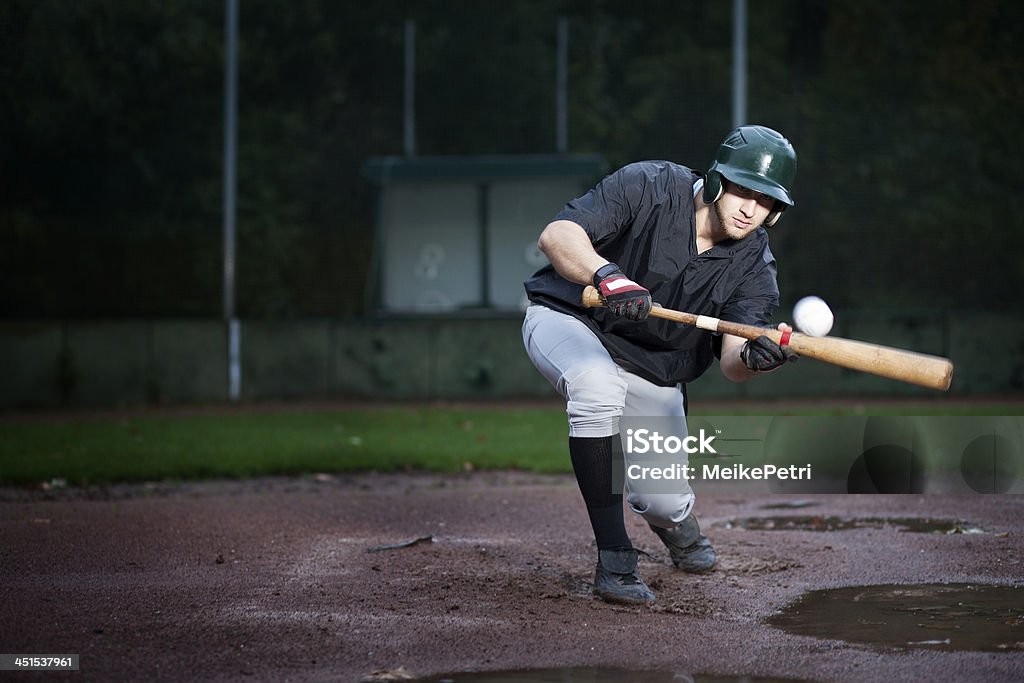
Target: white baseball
[{"x": 812, "y": 316}]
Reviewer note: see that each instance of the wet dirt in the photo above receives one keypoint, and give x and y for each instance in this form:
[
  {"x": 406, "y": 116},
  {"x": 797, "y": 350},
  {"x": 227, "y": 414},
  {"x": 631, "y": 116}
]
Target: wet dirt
[
  {"x": 273, "y": 579},
  {"x": 591, "y": 675},
  {"x": 833, "y": 523}
]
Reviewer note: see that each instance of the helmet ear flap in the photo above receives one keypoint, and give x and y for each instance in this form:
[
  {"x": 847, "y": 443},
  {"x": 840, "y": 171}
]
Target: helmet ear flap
[
  {"x": 775, "y": 215},
  {"x": 712, "y": 187}
]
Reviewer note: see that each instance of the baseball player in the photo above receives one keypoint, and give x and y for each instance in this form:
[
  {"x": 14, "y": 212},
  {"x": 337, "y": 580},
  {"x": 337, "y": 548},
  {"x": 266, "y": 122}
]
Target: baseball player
[{"x": 655, "y": 231}]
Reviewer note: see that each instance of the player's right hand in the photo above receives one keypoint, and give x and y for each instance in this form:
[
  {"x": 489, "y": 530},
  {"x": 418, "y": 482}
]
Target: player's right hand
[
  {"x": 622, "y": 296},
  {"x": 762, "y": 354}
]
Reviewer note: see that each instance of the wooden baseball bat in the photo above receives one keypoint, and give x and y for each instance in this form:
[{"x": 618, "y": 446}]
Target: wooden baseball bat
[{"x": 922, "y": 369}]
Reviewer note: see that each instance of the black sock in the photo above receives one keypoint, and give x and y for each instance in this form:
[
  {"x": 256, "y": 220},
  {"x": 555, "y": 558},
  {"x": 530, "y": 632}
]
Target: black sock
[{"x": 593, "y": 463}]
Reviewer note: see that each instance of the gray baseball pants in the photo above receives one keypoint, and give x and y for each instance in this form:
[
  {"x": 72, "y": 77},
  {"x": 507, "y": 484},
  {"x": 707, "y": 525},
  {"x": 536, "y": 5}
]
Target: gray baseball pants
[{"x": 598, "y": 392}]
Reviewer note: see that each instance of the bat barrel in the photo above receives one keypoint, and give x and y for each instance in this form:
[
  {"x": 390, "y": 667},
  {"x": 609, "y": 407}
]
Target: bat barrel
[{"x": 921, "y": 369}]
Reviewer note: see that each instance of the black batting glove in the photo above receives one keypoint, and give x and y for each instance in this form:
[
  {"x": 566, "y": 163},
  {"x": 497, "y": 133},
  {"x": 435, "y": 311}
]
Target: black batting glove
[
  {"x": 622, "y": 296},
  {"x": 763, "y": 354}
]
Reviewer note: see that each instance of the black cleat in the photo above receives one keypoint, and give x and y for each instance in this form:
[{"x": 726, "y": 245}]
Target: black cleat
[
  {"x": 616, "y": 578},
  {"x": 690, "y": 550}
]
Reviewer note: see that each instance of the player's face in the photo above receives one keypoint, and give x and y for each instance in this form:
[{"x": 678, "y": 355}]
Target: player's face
[{"x": 741, "y": 210}]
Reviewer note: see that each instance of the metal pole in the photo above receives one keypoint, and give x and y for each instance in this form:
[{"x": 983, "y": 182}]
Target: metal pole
[
  {"x": 739, "y": 62},
  {"x": 409, "y": 117},
  {"x": 230, "y": 183},
  {"x": 561, "y": 88}
]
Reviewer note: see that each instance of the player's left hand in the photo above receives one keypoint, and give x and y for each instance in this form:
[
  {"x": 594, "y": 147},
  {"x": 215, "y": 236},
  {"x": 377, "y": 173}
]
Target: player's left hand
[{"x": 762, "y": 354}]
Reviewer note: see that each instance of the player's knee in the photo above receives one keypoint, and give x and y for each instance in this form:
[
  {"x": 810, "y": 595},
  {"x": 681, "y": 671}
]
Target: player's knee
[
  {"x": 661, "y": 509},
  {"x": 595, "y": 400}
]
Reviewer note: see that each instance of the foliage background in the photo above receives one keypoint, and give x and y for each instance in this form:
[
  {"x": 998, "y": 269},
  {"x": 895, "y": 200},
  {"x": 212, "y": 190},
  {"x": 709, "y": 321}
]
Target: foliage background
[{"x": 903, "y": 115}]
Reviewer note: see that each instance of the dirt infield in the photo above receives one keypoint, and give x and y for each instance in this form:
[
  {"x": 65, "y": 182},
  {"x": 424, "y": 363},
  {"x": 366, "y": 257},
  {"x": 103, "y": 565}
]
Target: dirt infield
[{"x": 274, "y": 580}]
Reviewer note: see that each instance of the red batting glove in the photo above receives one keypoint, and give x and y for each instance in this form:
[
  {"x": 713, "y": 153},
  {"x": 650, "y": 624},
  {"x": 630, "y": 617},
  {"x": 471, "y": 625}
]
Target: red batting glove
[{"x": 622, "y": 296}]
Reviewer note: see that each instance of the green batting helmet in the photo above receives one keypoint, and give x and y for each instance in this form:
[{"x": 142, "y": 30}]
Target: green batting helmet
[{"x": 757, "y": 158}]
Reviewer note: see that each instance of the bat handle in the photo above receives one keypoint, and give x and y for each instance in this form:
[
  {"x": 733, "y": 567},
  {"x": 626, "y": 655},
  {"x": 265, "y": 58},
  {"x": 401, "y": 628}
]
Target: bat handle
[{"x": 592, "y": 298}]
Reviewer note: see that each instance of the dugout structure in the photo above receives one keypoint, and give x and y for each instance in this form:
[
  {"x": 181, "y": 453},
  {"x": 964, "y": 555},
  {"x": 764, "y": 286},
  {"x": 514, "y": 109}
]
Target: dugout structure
[{"x": 459, "y": 234}]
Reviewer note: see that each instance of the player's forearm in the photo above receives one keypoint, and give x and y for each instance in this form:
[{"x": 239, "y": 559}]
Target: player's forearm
[
  {"x": 732, "y": 366},
  {"x": 570, "y": 251},
  {"x": 767, "y": 356}
]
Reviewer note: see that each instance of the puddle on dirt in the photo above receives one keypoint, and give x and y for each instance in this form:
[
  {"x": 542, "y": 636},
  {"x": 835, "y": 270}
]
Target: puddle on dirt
[
  {"x": 592, "y": 675},
  {"x": 825, "y": 523},
  {"x": 972, "y": 617},
  {"x": 789, "y": 505}
]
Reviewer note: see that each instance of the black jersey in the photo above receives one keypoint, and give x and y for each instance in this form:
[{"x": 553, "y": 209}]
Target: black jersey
[{"x": 642, "y": 217}]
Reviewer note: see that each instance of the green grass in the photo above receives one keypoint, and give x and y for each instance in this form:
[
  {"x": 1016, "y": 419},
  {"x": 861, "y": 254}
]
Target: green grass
[
  {"x": 259, "y": 443},
  {"x": 243, "y": 443}
]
